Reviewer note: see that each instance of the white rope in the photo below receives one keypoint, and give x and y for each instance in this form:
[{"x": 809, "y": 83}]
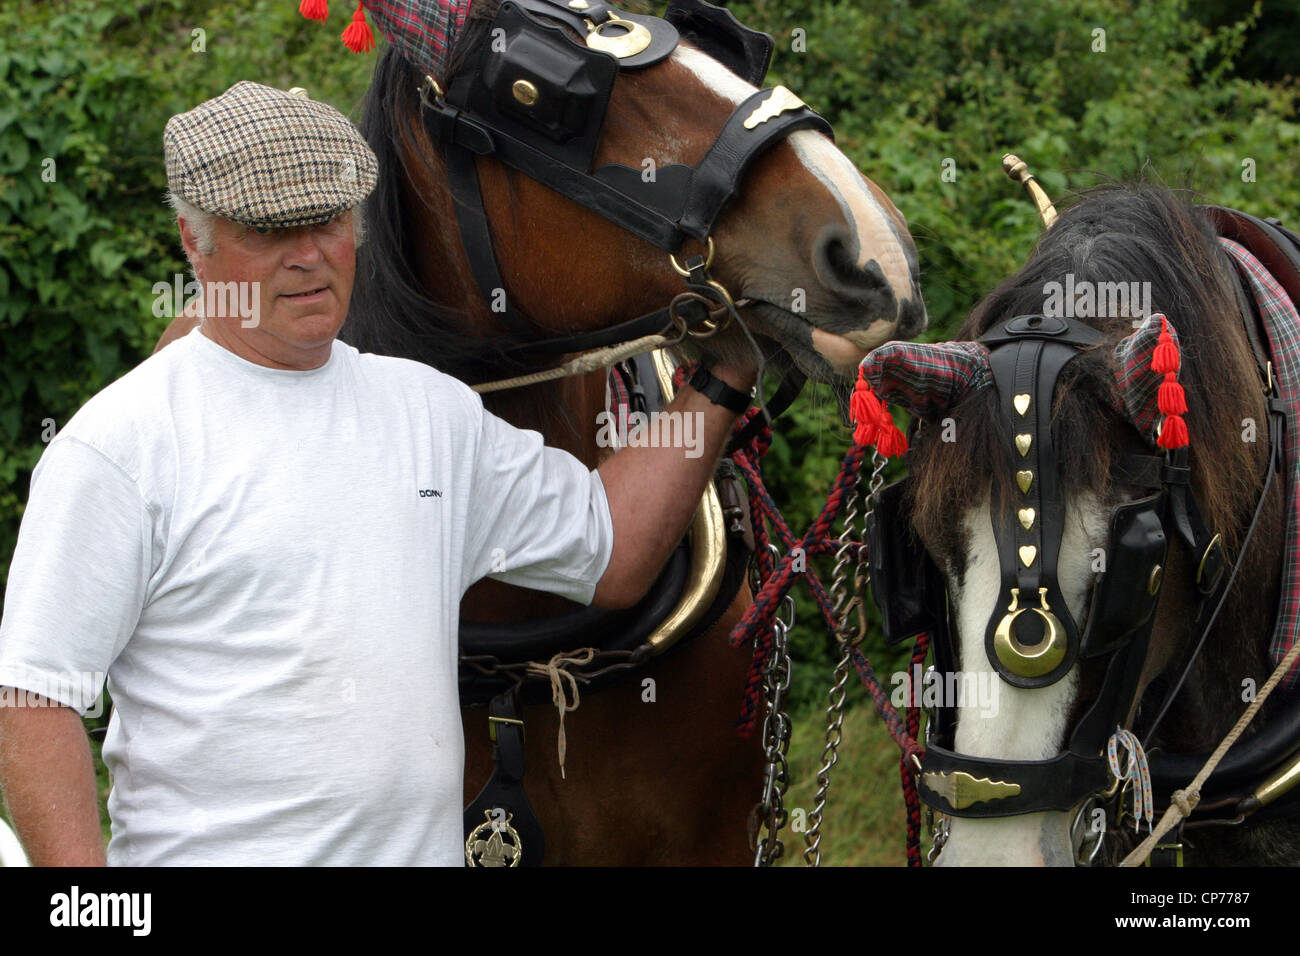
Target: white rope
[{"x": 587, "y": 362}]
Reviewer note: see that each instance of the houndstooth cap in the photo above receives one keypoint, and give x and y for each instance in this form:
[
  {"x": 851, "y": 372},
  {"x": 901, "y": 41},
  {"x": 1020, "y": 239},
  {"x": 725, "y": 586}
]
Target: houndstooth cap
[{"x": 263, "y": 157}]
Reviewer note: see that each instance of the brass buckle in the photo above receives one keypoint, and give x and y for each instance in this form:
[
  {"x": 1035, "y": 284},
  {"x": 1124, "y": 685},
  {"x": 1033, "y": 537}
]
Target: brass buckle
[
  {"x": 1215, "y": 542},
  {"x": 427, "y": 84},
  {"x": 1176, "y": 847},
  {"x": 492, "y": 725}
]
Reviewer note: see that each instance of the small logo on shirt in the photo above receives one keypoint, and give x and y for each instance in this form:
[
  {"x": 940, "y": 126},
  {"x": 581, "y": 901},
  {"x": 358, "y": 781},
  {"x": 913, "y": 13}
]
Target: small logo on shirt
[{"x": 430, "y": 493}]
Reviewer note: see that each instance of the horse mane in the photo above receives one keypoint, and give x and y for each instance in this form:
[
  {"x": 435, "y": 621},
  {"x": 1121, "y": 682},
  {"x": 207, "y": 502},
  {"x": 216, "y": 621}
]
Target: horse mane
[{"x": 1112, "y": 233}]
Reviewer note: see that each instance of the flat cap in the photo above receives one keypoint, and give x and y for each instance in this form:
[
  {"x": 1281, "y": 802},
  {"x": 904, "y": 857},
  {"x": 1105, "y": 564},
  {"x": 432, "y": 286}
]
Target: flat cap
[{"x": 263, "y": 157}]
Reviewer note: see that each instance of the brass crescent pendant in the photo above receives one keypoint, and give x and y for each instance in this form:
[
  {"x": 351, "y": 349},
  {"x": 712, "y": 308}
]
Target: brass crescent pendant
[{"x": 1025, "y": 660}]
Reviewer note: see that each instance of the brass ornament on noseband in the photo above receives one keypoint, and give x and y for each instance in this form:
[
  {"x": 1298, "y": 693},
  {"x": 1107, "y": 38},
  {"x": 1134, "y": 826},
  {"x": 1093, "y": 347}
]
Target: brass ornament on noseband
[
  {"x": 963, "y": 790},
  {"x": 777, "y": 102},
  {"x": 1025, "y": 660}
]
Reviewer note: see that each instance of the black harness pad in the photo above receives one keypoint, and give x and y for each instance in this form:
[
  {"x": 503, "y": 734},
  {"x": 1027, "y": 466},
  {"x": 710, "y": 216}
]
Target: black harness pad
[
  {"x": 717, "y": 32},
  {"x": 906, "y": 585}
]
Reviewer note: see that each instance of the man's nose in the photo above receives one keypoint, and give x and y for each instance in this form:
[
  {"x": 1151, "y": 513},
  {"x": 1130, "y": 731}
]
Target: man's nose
[{"x": 304, "y": 248}]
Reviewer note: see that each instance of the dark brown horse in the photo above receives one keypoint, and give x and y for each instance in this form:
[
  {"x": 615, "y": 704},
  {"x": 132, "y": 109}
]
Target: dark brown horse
[
  {"x": 827, "y": 262},
  {"x": 826, "y": 270},
  {"x": 1112, "y": 235}
]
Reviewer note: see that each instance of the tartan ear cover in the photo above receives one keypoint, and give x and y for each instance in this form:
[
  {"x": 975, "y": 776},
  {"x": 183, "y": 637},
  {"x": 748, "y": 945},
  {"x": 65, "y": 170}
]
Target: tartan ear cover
[
  {"x": 928, "y": 380},
  {"x": 422, "y": 31}
]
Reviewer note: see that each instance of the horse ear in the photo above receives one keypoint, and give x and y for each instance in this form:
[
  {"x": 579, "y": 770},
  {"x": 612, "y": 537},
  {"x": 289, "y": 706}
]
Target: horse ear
[
  {"x": 1146, "y": 382},
  {"x": 927, "y": 380}
]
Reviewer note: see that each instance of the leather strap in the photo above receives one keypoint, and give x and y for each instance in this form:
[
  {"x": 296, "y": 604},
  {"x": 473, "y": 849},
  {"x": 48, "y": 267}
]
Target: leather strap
[
  {"x": 787, "y": 391},
  {"x": 505, "y": 788},
  {"x": 476, "y": 238},
  {"x": 719, "y": 392}
]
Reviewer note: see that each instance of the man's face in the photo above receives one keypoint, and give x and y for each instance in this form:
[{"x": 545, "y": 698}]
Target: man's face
[{"x": 300, "y": 278}]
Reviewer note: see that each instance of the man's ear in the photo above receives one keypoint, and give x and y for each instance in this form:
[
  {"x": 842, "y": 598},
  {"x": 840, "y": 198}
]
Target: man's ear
[{"x": 191, "y": 246}]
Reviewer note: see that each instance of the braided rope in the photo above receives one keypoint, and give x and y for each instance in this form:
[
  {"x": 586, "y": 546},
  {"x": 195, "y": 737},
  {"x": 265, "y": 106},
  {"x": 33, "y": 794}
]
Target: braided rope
[{"x": 777, "y": 578}]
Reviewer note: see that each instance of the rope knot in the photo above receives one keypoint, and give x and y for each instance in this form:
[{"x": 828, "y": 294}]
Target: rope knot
[
  {"x": 563, "y": 683},
  {"x": 1185, "y": 801}
]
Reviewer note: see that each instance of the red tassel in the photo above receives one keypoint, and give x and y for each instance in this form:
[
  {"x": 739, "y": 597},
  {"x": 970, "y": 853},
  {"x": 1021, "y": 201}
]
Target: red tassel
[
  {"x": 357, "y": 37},
  {"x": 315, "y": 9},
  {"x": 1165, "y": 358},
  {"x": 1171, "y": 398},
  {"x": 890, "y": 440},
  {"x": 1174, "y": 433},
  {"x": 862, "y": 409}
]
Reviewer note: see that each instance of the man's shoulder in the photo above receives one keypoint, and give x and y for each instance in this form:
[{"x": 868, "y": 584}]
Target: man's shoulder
[{"x": 131, "y": 412}]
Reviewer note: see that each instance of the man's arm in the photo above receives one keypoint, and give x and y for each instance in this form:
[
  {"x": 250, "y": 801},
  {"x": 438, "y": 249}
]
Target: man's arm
[
  {"x": 48, "y": 780},
  {"x": 653, "y": 493}
]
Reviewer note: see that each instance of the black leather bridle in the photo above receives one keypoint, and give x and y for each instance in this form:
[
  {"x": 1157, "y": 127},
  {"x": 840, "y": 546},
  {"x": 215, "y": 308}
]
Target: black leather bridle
[{"x": 534, "y": 97}]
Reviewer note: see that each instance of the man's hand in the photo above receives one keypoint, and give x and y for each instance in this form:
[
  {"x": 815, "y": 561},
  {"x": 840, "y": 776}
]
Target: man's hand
[
  {"x": 653, "y": 492},
  {"x": 48, "y": 780}
]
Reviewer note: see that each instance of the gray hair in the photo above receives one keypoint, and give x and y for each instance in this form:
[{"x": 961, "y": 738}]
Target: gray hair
[{"x": 200, "y": 222}]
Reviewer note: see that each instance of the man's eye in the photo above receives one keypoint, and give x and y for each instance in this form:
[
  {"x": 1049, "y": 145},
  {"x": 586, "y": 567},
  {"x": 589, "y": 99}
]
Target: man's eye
[{"x": 262, "y": 230}]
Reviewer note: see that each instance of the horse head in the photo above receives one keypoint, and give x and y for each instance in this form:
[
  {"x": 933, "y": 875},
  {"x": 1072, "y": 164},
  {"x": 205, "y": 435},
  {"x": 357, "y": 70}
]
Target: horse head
[
  {"x": 817, "y": 257},
  {"x": 1057, "y": 529}
]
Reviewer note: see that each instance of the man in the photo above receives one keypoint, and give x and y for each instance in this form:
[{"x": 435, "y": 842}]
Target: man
[{"x": 262, "y": 537}]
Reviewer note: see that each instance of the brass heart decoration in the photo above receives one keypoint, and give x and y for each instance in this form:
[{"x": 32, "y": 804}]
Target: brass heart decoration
[
  {"x": 1027, "y": 554},
  {"x": 1026, "y": 516},
  {"x": 1022, "y": 444},
  {"x": 1021, "y": 402},
  {"x": 1024, "y": 479}
]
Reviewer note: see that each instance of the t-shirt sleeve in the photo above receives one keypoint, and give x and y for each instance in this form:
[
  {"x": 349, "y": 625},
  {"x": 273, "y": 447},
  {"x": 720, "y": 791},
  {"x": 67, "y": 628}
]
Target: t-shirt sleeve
[
  {"x": 538, "y": 516},
  {"x": 79, "y": 576}
]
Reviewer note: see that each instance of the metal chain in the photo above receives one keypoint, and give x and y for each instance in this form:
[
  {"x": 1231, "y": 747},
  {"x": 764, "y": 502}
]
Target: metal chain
[
  {"x": 776, "y": 734},
  {"x": 849, "y": 631}
]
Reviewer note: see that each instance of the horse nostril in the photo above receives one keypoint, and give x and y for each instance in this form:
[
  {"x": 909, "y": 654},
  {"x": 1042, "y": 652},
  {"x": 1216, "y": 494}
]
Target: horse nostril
[{"x": 835, "y": 255}]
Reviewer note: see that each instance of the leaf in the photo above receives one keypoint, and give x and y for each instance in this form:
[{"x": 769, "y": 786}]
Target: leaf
[{"x": 106, "y": 258}]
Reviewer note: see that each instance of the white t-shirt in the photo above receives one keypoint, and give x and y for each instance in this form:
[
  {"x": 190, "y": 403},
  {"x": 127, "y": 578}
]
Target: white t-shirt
[{"x": 269, "y": 565}]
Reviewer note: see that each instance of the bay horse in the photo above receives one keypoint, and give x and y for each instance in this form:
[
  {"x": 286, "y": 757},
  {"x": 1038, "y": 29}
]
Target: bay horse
[
  {"x": 961, "y": 492},
  {"x": 822, "y": 269}
]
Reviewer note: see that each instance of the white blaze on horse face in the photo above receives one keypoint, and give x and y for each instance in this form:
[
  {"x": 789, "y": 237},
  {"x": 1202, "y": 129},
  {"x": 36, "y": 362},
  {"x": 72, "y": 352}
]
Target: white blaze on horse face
[
  {"x": 1027, "y": 724},
  {"x": 869, "y": 222}
]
